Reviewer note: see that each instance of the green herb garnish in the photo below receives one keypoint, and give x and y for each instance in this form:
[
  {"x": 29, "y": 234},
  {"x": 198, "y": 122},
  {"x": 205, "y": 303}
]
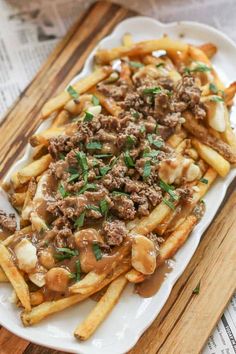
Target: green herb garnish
[
  {"x": 128, "y": 159},
  {"x": 168, "y": 189},
  {"x": 130, "y": 141},
  {"x": 79, "y": 222},
  {"x": 157, "y": 143},
  {"x": 102, "y": 156},
  {"x": 169, "y": 203},
  {"x": 135, "y": 64},
  {"x": 197, "y": 289},
  {"x": 88, "y": 117},
  {"x": 135, "y": 114},
  {"x": 93, "y": 207},
  {"x": 104, "y": 207},
  {"x": 94, "y": 145},
  {"x": 78, "y": 270},
  {"x": 152, "y": 91},
  {"x": 213, "y": 88},
  {"x": 95, "y": 100},
  {"x": 142, "y": 128},
  {"x": 147, "y": 169},
  {"x": 72, "y": 92},
  {"x": 81, "y": 157},
  {"x": 65, "y": 253},
  {"x": 151, "y": 154},
  {"x": 204, "y": 180},
  {"x": 199, "y": 68},
  {"x": 216, "y": 99},
  {"x": 62, "y": 191},
  {"x": 159, "y": 65},
  {"x": 118, "y": 193},
  {"x": 103, "y": 170},
  {"x": 97, "y": 251},
  {"x": 73, "y": 177},
  {"x": 87, "y": 186},
  {"x": 62, "y": 156}
]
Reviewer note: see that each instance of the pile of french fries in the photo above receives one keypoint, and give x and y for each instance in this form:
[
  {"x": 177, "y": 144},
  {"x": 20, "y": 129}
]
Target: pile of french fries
[{"x": 214, "y": 150}]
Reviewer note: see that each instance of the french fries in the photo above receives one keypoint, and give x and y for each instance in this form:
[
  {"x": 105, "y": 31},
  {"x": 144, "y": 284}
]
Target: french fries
[
  {"x": 15, "y": 277},
  {"x": 82, "y": 86},
  {"x": 209, "y": 49},
  {"x": 34, "y": 169},
  {"x": 101, "y": 310},
  {"x": 141, "y": 48},
  {"x": 3, "y": 277}
]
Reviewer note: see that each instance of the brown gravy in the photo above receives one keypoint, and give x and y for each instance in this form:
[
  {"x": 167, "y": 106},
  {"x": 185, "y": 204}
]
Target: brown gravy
[{"x": 152, "y": 284}]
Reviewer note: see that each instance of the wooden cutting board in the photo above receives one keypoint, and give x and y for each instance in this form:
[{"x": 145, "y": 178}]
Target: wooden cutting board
[{"x": 186, "y": 321}]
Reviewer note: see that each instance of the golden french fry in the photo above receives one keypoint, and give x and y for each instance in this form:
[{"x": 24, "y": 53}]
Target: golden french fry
[
  {"x": 108, "y": 103},
  {"x": 27, "y": 207},
  {"x": 39, "y": 312},
  {"x": 212, "y": 157},
  {"x": 202, "y": 133},
  {"x": 61, "y": 119},
  {"x": 127, "y": 39},
  {"x": 229, "y": 135},
  {"x": 209, "y": 49},
  {"x": 133, "y": 276},
  {"x": 230, "y": 93},
  {"x": 16, "y": 235},
  {"x": 15, "y": 277},
  {"x": 17, "y": 199},
  {"x": 39, "y": 151},
  {"x": 101, "y": 310},
  {"x": 107, "y": 55},
  {"x": 125, "y": 73},
  {"x": 175, "y": 139},
  {"x": 82, "y": 86},
  {"x": 3, "y": 277},
  {"x": 43, "y": 138},
  {"x": 34, "y": 169}
]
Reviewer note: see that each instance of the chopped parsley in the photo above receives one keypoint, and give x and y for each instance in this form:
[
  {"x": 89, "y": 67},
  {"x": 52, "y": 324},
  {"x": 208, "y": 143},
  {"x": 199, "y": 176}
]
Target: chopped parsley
[
  {"x": 94, "y": 145},
  {"x": 168, "y": 189},
  {"x": 197, "y": 289},
  {"x": 152, "y": 153},
  {"x": 104, "y": 207},
  {"x": 118, "y": 193},
  {"x": 135, "y": 64},
  {"x": 130, "y": 141},
  {"x": 97, "y": 251},
  {"x": 79, "y": 222},
  {"x": 87, "y": 186},
  {"x": 160, "y": 65},
  {"x": 73, "y": 177},
  {"x": 135, "y": 114},
  {"x": 157, "y": 143},
  {"x": 147, "y": 169},
  {"x": 81, "y": 157},
  {"x": 88, "y": 117},
  {"x": 95, "y": 100},
  {"x": 199, "y": 68},
  {"x": 103, "y": 170},
  {"x": 78, "y": 270},
  {"x": 213, "y": 88},
  {"x": 62, "y": 156},
  {"x": 169, "y": 203},
  {"x": 216, "y": 99},
  {"x": 93, "y": 207},
  {"x": 142, "y": 128},
  {"x": 72, "y": 92},
  {"x": 102, "y": 156},
  {"x": 65, "y": 253},
  {"x": 204, "y": 180},
  {"x": 62, "y": 191},
  {"x": 152, "y": 91},
  {"x": 128, "y": 159}
]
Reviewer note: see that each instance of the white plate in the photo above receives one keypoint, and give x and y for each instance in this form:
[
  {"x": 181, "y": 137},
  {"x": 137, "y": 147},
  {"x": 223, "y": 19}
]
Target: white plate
[{"x": 133, "y": 314}]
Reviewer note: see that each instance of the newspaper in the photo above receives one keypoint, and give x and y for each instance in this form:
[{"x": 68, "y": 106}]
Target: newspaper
[{"x": 31, "y": 29}]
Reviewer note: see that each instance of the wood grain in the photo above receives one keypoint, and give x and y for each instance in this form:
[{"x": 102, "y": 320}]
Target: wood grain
[{"x": 186, "y": 318}]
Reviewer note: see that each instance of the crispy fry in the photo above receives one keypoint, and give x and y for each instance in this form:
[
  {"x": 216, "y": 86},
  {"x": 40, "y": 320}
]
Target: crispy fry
[
  {"x": 34, "y": 169},
  {"x": 133, "y": 276},
  {"x": 125, "y": 72},
  {"x": 17, "y": 199},
  {"x": 175, "y": 139},
  {"x": 27, "y": 207},
  {"x": 108, "y": 103},
  {"x": 230, "y": 93},
  {"x": 214, "y": 159},
  {"x": 16, "y": 235},
  {"x": 43, "y": 138},
  {"x": 3, "y": 277},
  {"x": 107, "y": 55},
  {"x": 15, "y": 277},
  {"x": 82, "y": 86},
  {"x": 39, "y": 151},
  {"x": 61, "y": 119},
  {"x": 229, "y": 135},
  {"x": 209, "y": 49},
  {"x": 38, "y": 313},
  {"x": 200, "y": 132},
  {"x": 127, "y": 39},
  {"x": 101, "y": 310}
]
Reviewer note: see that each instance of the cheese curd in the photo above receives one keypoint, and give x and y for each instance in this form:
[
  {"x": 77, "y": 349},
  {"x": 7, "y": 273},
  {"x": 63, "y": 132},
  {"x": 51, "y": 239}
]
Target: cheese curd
[{"x": 26, "y": 255}]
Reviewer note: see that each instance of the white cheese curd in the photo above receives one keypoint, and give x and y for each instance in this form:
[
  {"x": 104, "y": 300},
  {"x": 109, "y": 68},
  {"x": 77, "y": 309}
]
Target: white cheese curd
[
  {"x": 216, "y": 115},
  {"x": 38, "y": 278},
  {"x": 95, "y": 110},
  {"x": 143, "y": 257},
  {"x": 26, "y": 255}
]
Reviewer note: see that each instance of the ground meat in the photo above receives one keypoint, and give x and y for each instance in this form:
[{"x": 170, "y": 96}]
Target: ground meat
[
  {"x": 58, "y": 146},
  {"x": 8, "y": 221},
  {"x": 171, "y": 119},
  {"x": 199, "y": 111},
  {"x": 161, "y": 104},
  {"x": 123, "y": 207},
  {"x": 114, "y": 232},
  {"x": 116, "y": 91},
  {"x": 185, "y": 193},
  {"x": 187, "y": 91},
  {"x": 133, "y": 100},
  {"x": 166, "y": 83},
  {"x": 59, "y": 169}
]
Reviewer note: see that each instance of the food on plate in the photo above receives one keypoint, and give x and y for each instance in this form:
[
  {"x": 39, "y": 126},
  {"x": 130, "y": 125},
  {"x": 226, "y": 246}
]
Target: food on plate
[{"x": 114, "y": 186}]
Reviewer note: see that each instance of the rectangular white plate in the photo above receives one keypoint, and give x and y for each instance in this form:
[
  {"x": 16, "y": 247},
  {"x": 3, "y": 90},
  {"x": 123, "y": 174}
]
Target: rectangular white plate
[{"x": 133, "y": 314}]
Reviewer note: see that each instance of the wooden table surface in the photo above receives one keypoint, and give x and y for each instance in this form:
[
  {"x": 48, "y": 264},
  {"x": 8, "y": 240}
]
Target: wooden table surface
[{"x": 186, "y": 321}]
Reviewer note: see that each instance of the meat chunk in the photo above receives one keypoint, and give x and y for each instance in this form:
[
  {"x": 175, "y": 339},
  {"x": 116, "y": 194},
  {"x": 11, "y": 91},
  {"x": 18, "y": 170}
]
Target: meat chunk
[
  {"x": 8, "y": 222},
  {"x": 114, "y": 232},
  {"x": 123, "y": 207}
]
